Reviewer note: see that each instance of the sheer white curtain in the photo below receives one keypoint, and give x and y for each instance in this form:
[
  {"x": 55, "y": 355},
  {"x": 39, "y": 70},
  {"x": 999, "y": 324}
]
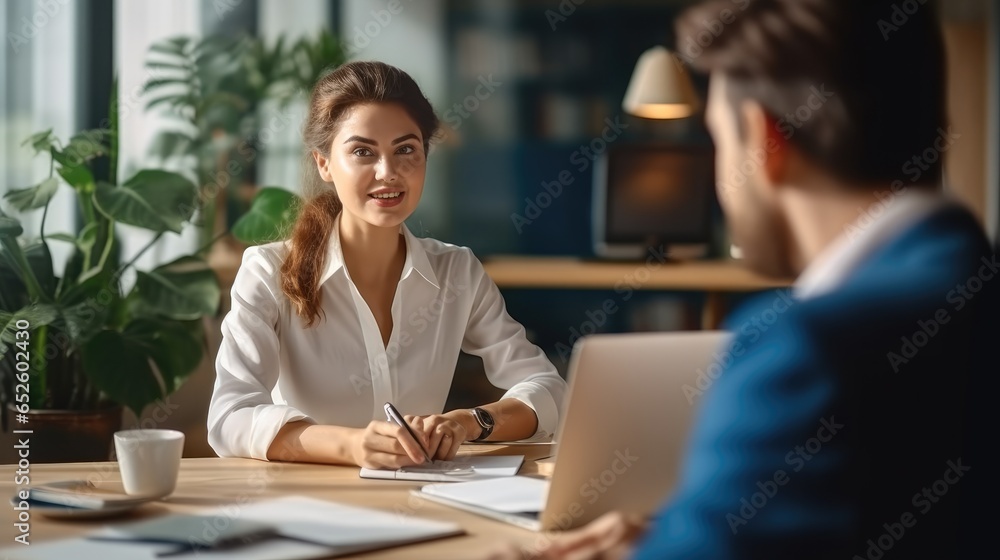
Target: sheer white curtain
[
  {"x": 137, "y": 26},
  {"x": 140, "y": 24},
  {"x": 281, "y": 137},
  {"x": 39, "y": 79}
]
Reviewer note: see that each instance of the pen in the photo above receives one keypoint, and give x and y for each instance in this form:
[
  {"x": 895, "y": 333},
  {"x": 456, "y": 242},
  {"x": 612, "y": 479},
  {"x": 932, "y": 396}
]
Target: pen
[{"x": 396, "y": 418}]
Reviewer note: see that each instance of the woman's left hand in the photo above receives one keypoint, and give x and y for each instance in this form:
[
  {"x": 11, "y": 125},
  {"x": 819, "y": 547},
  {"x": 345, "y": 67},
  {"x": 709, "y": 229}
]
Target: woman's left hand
[{"x": 439, "y": 434}]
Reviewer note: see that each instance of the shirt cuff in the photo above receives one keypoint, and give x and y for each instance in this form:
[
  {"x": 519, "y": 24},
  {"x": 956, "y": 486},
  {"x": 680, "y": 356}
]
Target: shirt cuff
[
  {"x": 538, "y": 399},
  {"x": 268, "y": 419}
]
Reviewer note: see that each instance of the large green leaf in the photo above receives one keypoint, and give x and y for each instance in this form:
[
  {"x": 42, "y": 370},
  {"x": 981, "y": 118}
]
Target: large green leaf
[
  {"x": 170, "y": 143},
  {"x": 173, "y": 100},
  {"x": 158, "y": 65},
  {"x": 36, "y": 315},
  {"x": 13, "y": 294},
  {"x": 85, "y": 308},
  {"x": 64, "y": 159},
  {"x": 102, "y": 289},
  {"x": 315, "y": 58},
  {"x": 64, "y": 237},
  {"x": 81, "y": 322},
  {"x": 82, "y": 242},
  {"x": 33, "y": 197},
  {"x": 175, "y": 347},
  {"x": 76, "y": 174},
  {"x": 10, "y": 226},
  {"x": 184, "y": 289},
  {"x": 40, "y": 260},
  {"x": 152, "y": 199},
  {"x": 14, "y": 257},
  {"x": 80, "y": 259},
  {"x": 40, "y": 141},
  {"x": 85, "y": 146},
  {"x": 270, "y": 218},
  {"x": 121, "y": 364},
  {"x": 160, "y": 82},
  {"x": 172, "y": 45}
]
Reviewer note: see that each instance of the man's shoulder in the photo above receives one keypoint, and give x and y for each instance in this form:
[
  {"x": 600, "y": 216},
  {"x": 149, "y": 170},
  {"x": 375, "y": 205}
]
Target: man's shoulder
[
  {"x": 940, "y": 265},
  {"x": 938, "y": 277},
  {"x": 943, "y": 246}
]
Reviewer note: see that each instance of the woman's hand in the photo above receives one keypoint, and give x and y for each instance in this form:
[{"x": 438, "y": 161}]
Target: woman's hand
[
  {"x": 439, "y": 434},
  {"x": 383, "y": 445}
]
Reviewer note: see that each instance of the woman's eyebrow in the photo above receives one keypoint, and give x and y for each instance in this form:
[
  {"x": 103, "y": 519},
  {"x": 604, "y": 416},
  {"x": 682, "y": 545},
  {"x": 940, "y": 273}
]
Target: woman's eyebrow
[
  {"x": 361, "y": 139},
  {"x": 406, "y": 137},
  {"x": 364, "y": 140}
]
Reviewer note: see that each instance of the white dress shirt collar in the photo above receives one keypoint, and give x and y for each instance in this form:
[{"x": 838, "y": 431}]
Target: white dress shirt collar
[
  {"x": 416, "y": 257},
  {"x": 876, "y": 225}
]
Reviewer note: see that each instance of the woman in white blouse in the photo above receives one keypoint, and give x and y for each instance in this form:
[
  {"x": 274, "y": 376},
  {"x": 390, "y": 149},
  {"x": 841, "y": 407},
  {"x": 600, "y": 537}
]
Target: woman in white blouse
[{"x": 354, "y": 311}]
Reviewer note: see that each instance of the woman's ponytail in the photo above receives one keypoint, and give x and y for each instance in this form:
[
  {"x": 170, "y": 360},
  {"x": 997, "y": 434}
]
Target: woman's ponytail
[{"x": 302, "y": 269}]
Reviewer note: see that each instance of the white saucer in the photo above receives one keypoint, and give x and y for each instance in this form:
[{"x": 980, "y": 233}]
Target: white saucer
[{"x": 56, "y": 511}]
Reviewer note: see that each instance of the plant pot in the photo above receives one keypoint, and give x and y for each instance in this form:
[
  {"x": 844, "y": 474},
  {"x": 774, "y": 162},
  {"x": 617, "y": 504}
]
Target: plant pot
[{"x": 62, "y": 436}]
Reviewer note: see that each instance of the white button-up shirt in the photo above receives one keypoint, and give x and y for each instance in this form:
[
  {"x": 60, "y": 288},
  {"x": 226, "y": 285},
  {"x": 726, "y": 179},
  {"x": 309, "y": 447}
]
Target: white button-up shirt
[{"x": 271, "y": 370}]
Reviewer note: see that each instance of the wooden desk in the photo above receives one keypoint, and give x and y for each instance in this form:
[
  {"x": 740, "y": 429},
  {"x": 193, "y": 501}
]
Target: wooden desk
[
  {"x": 205, "y": 484},
  {"x": 715, "y": 278}
]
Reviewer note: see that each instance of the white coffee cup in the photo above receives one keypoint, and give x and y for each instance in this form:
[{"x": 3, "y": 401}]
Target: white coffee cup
[{"x": 149, "y": 460}]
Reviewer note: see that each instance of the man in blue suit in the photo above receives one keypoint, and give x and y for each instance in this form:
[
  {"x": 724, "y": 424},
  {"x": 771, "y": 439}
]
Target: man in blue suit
[{"x": 849, "y": 423}]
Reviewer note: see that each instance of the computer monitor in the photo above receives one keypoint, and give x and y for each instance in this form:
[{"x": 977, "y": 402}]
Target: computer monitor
[{"x": 650, "y": 195}]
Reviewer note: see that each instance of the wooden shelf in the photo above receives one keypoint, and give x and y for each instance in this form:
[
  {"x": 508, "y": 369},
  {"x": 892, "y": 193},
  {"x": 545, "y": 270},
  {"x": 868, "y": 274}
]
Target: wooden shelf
[{"x": 572, "y": 273}]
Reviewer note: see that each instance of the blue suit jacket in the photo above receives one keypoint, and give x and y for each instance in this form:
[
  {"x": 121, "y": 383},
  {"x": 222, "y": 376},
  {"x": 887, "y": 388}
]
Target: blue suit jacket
[{"x": 850, "y": 425}]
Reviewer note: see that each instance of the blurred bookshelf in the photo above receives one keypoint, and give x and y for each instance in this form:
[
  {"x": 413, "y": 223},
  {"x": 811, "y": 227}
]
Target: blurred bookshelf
[{"x": 553, "y": 94}]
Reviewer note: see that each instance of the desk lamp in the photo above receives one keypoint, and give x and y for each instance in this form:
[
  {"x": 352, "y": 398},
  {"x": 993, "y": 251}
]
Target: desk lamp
[{"x": 660, "y": 87}]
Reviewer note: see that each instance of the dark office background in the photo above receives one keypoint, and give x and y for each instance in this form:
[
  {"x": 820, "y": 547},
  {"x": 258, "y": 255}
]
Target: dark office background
[{"x": 562, "y": 69}]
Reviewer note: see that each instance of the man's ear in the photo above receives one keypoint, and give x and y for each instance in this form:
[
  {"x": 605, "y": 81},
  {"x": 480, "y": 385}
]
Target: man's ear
[
  {"x": 766, "y": 143},
  {"x": 322, "y": 163}
]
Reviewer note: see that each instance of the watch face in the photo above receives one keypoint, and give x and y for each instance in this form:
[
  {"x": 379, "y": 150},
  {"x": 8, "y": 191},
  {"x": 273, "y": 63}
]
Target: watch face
[{"x": 485, "y": 418}]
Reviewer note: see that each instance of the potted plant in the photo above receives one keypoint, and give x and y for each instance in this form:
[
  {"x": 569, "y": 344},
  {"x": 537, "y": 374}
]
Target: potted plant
[
  {"x": 74, "y": 349},
  {"x": 215, "y": 88}
]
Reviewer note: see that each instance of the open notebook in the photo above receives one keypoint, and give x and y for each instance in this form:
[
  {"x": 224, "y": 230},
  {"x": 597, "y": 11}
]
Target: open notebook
[
  {"x": 518, "y": 500},
  {"x": 314, "y": 529},
  {"x": 459, "y": 469}
]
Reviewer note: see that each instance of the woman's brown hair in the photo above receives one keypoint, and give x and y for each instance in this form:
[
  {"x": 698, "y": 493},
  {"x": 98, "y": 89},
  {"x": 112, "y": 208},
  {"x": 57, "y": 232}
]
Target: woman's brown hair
[{"x": 333, "y": 96}]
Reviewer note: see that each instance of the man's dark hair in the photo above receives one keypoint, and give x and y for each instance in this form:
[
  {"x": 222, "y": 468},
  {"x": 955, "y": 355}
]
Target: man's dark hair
[{"x": 879, "y": 66}]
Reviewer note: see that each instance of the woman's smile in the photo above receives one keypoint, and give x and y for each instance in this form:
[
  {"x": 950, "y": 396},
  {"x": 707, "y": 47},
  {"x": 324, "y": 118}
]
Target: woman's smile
[{"x": 386, "y": 198}]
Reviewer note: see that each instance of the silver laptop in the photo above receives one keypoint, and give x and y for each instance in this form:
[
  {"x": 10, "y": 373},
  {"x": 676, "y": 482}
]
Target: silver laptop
[{"x": 631, "y": 401}]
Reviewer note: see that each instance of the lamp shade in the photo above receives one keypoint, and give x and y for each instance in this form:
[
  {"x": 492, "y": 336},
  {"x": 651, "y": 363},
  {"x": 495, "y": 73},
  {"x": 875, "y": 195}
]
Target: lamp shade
[{"x": 660, "y": 88}]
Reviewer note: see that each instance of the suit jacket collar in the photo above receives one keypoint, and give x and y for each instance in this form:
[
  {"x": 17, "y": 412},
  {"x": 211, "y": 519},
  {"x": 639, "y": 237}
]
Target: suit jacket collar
[{"x": 877, "y": 225}]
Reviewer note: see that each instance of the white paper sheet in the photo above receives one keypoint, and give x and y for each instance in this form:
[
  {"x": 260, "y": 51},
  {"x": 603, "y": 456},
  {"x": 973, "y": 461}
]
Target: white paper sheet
[{"x": 340, "y": 529}]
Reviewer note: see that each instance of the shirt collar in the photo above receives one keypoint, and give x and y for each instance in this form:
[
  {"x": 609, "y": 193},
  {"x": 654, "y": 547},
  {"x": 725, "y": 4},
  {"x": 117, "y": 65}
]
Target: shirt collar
[
  {"x": 416, "y": 257},
  {"x": 878, "y": 224}
]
